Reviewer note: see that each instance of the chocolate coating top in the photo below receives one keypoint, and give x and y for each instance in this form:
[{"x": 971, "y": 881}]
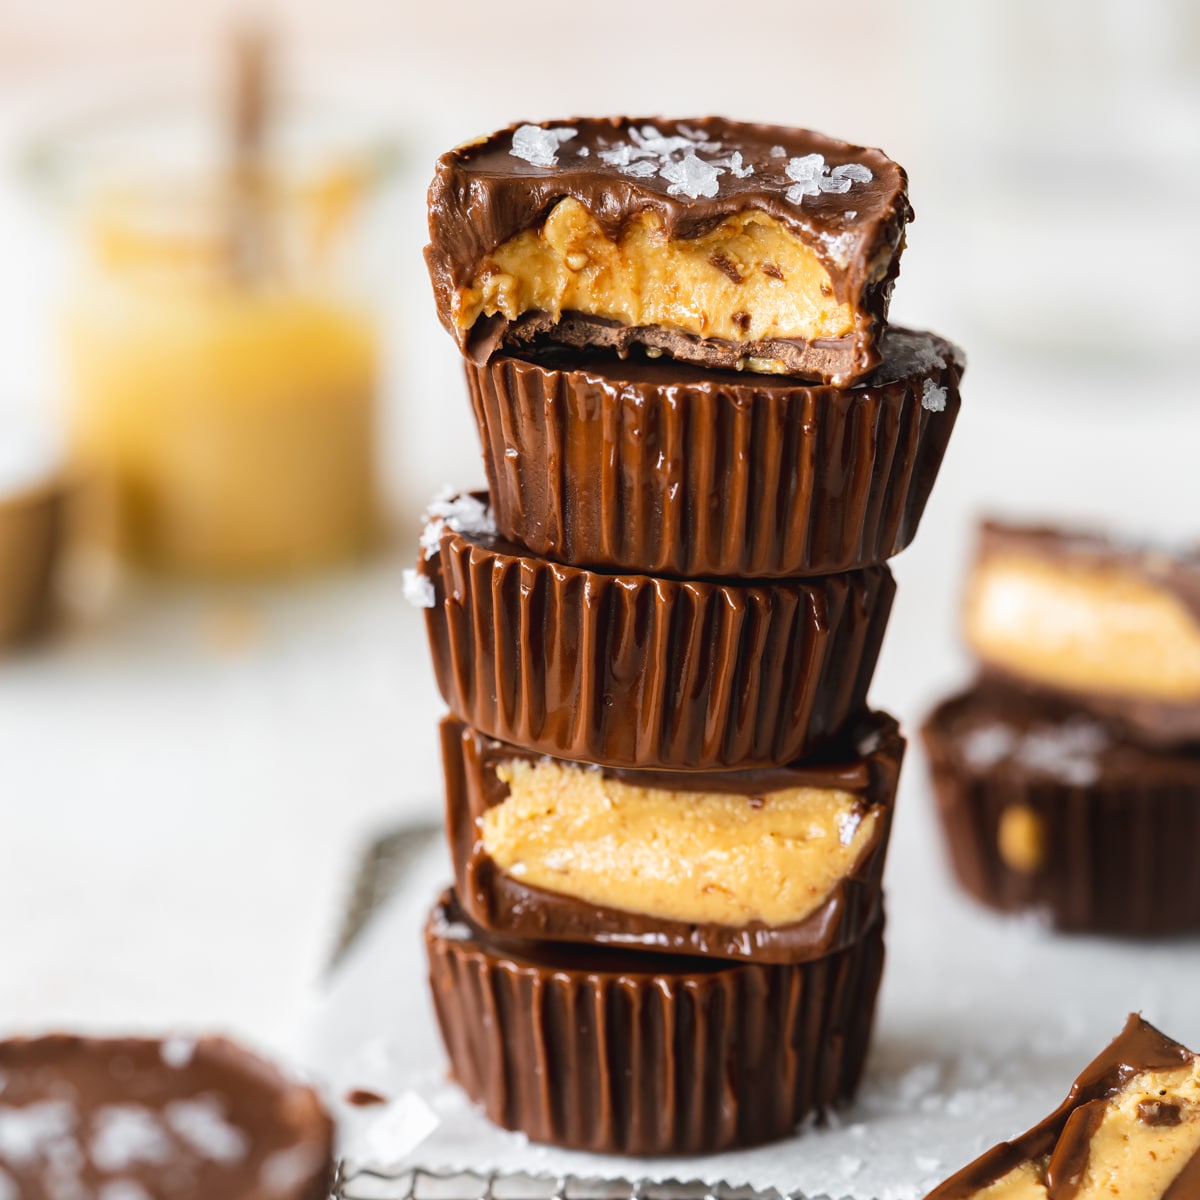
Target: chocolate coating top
[
  {"x": 1065, "y": 1135},
  {"x": 482, "y": 194},
  {"x": 136, "y": 1119}
]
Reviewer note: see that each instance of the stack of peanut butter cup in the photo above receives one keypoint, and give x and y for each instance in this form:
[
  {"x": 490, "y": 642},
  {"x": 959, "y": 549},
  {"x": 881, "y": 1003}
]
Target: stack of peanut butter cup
[{"x": 668, "y": 805}]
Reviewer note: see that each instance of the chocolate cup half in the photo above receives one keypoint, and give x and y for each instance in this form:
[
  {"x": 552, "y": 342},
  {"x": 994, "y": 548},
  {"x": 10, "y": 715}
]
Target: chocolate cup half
[
  {"x": 193, "y": 1120},
  {"x": 633, "y": 671},
  {"x": 628, "y": 1053},
  {"x": 866, "y": 764},
  {"x": 670, "y": 469},
  {"x": 1044, "y": 808}
]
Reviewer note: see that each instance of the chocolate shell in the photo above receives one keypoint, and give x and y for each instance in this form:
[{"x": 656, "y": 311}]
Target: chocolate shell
[
  {"x": 633, "y": 671},
  {"x": 867, "y": 763},
  {"x": 668, "y": 469},
  {"x": 630, "y": 1053},
  {"x": 1045, "y": 808},
  {"x": 132, "y": 1117}
]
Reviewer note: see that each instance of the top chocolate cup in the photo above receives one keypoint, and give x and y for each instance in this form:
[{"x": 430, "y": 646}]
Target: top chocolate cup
[
  {"x": 723, "y": 243},
  {"x": 669, "y": 469},
  {"x": 133, "y": 1117}
]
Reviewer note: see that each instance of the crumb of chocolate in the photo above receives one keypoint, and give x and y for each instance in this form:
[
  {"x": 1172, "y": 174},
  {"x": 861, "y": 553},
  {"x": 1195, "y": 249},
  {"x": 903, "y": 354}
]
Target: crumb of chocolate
[
  {"x": 364, "y": 1098},
  {"x": 728, "y": 268},
  {"x": 741, "y": 319},
  {"x": 933, "y": 396},
  {"x": 773, "y": 270},
  {"x": 691, "y": 177},
  {"x": 538, "y": 146},
  {"x": 418, "y": 589},
  {"x": 1159, "y": 1112}
]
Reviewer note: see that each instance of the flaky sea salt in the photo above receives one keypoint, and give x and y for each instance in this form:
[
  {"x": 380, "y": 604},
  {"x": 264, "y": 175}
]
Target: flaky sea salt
[
  {"x": 778, "y": 152},
  {"x": 933, "y": 396},
  {"x": 855, "y": 172},
  {"x": 122, "y": 1189},
  {"x": 811, "y": 176},
  {"x": 418, "y": 589},
  {"x": 202, "y": 1125},
  {"x": 988, "y": 745},
  {"x": 848, "y": 823},
  {"x": 1066, "y": 752},
  {"x": 642, "y": 169},
  {"x": 692, "y": 177},
  {"x": 459, "y": 513},
  {"x": 538, "y": 146},
  {"x": 735, "y": 165},
  {"x": 177, "y": 1052},
  {"x": 26, "y": 1134},
  {"x": 124, "y": 1135}
]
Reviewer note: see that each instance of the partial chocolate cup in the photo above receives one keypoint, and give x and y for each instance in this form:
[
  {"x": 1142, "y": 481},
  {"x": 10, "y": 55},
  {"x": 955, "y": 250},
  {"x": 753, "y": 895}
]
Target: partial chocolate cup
[
  {"x": 634, "y": 671},
  {"x": 629, "y": 1053},
  {"x": 865, "y": 764},
  {"x": 669, "y": 469},
  {"x": 190, "y": 1119},
  {"x": 33, "y": 526},
  {"x": 1045, "y": 808}
]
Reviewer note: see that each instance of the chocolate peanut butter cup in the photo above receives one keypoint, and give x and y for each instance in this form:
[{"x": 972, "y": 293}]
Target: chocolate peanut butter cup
[
  {"x": 631, "y": 1053},
  {"x": 136, "y": 1119},
  {"x": 33, "y": 525},
  {"x": 1112, "y": 625},
  {"x": 635, "y": 671},
  {"x": 776, "y": 865},
  {"x": 1130, "y": 1127},
  {"x": 666, "y": 468},
  {"x": 724, "y": 243},
  {"x": 1046, "y": 808}
]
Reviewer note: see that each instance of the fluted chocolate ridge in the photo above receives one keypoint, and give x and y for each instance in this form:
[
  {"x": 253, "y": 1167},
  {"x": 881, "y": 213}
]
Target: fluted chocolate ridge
[
  {"x": 668, "y": 469},
  {"x": 636, "y": 671},
  {"x": 1045, "y": 808},
  {"x": 637, "y": 1054}
]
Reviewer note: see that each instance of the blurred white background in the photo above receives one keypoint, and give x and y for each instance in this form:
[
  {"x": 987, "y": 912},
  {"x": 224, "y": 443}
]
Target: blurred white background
[{"x": 180, "y": 808}]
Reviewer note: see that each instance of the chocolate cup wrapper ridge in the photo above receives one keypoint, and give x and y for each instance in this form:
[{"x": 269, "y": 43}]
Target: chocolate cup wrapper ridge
[{"x": 636, "y": 1054}]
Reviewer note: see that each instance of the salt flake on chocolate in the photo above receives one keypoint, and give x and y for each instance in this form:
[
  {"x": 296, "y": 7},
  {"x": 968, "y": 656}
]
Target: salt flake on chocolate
[
  {"x": 855, "y": 172},
  {"x": 692, "y": 177},
  {"x": 642, "y": 169},
  {"x": 125, "y": 1135},
  {"x": 457, "y": 513},
  {"x": 735, "y": 164},
  {"x": 933, "y": 397},
  {"x": 538, "y": 146},
  {"x": 418, "y": 589},
  {"x": 202, "y": 1124},
  {"x": 812, "y": 177}
]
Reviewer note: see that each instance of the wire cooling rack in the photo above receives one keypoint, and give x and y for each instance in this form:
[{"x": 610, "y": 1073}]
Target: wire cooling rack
[
  {"x": 380, "y": 872},
  {"x": 427, "y": 1185}
]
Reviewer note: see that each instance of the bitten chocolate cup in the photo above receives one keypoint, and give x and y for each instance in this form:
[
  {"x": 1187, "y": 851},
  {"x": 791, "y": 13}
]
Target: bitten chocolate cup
[
  {"x": 776, "y": 865},
  {"x": 133, "y": 1117},
  {"x": 634, "y": 671},
  {"x": 629, "y": 1053},
  {"x": 1044, "y": 808},
  {"x": 669, "y": 469}
]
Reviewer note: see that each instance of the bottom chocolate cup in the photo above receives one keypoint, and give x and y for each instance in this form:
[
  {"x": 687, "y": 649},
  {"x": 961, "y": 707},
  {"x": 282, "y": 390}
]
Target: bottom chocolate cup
[
  {"x": 138, "y": 1119},
  {"x": 621, "y": 1052},
  {"x": 1045, "y": 808}
]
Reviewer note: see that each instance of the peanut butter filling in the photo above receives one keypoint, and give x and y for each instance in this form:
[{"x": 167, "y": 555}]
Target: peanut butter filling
[
  {"x": 1147, "y": 1134},
  {"x": 1099, "y": 629},
  {"x": 714, "y": 857},
  {"x": 748, "y": 279}
]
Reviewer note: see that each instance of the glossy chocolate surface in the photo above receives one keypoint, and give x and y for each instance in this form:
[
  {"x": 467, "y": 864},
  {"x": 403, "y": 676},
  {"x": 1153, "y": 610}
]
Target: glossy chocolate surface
[
  {"x": 1064, "y": 1136},
  {"x": 1121, "y": 820},
  {"x": 867, "y": 763},
  {"x": 635, "y": 671},
  {"x": 95, "y": 1119},
  {"x": 614, "y": 1051},
  {"x": 482, "y": 195},
  {"x": 667, "y": 468}
]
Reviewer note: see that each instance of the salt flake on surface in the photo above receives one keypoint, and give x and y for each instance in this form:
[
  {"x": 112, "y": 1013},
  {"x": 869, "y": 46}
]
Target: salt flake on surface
[
  {"x": 798, "y": 191},
  {"x": 642, "y": 169},
  {"x": 778, "y": 152},
  {"x": 735, "y": 164},
  {"x": 1066, "y": 751},
  {"x": 126, "y": 1134},
  {"x": 122, "y": 1189},
  {"x": 852, "y": 171},
  {"x": 583, "y": 152},
  {"x": 988, "y": 745},
  {"x": 418, "y": 589},
  {"x": 806, "y": 168},
  {"x": 848, "y": 823},
  {"x": 26, "y": 1134},
  {"x": 933, "y": 396},
  {"x": 177, "y": 1052},
  {"x": 833, "y": 183},
  {"x": 538, "y": 146},
  {"x": 692, "y": 177},
  {"x": 202, "y": 1125},
  {"x": 617, "y": 156},
  {"x": 458, "y": 513}
]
